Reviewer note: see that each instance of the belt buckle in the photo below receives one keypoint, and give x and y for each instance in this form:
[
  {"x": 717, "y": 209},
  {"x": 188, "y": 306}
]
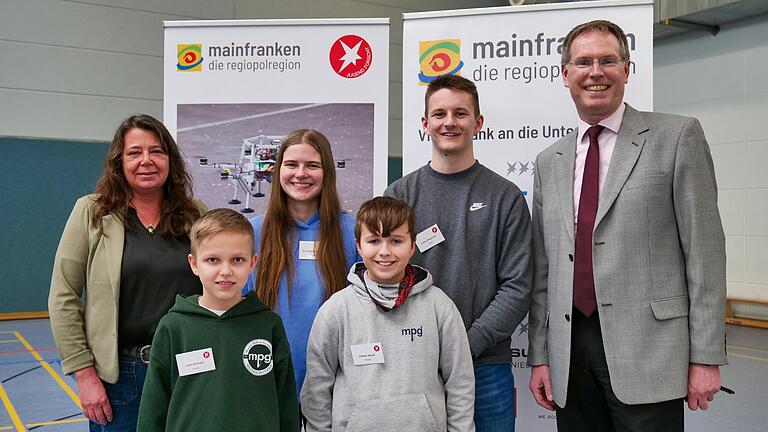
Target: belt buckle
[{"x": 144, "y": 354}]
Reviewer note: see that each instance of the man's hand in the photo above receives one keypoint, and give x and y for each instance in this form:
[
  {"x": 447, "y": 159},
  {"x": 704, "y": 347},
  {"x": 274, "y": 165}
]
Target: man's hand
[
  {"x": 93, "y": 397},
  {"x": 703, "y": 383},
  {"x": 541, "y": 386}
]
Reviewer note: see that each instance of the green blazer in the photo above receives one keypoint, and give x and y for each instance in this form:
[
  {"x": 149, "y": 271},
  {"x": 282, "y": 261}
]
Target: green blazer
[{"x": 85, "y": 329}]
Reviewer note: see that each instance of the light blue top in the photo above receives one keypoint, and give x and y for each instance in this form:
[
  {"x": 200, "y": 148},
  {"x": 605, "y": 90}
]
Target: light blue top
[{"x": 307, "y": 289}]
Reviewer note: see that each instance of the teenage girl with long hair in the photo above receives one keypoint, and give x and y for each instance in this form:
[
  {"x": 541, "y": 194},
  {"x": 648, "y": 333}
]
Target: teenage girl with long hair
[{"x": 306, "y": 242}]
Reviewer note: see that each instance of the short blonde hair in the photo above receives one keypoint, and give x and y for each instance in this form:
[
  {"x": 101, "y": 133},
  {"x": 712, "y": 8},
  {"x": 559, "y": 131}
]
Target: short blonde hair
[{"x": 216, "y": 222}]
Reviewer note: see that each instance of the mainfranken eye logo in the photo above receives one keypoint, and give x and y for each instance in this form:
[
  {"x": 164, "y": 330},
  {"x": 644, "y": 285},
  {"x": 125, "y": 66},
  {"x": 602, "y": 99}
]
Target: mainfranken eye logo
[
  {"x": 257, "y": 357},
  {"x": 190, "y": 57},
  {"x": 440, "y": 57}
]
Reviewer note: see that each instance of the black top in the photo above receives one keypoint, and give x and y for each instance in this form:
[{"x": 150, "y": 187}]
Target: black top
[{"x": 154, "y": 270}]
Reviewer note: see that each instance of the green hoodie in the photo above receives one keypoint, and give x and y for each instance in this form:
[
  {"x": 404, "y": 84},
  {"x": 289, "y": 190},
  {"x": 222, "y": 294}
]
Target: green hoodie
[{"x": 252, "y": 387}]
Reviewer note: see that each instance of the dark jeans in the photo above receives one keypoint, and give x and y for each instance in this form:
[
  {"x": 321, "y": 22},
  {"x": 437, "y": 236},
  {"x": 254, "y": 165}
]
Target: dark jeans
[
  {"x": 124, "y": 397},
  {"x": 591, "y": 405},
  {"x": 494, "y": 398}
]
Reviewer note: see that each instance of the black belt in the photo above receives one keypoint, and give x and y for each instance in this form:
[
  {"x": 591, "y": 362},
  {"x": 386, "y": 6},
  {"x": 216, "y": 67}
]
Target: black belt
[{"x": 140, "y": 352}]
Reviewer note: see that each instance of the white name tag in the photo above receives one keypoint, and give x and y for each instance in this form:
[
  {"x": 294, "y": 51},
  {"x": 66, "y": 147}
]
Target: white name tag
[
  {"x": 429, "y": 237},
  {"x": 194, "y": 362},
  {"x": 365, "y": 354},
  {"x": 307, "y": 249}
]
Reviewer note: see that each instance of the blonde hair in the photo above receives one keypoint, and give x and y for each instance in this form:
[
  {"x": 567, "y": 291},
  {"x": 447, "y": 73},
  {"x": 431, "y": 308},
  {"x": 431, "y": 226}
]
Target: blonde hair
[{"x": 216, "y": 222}]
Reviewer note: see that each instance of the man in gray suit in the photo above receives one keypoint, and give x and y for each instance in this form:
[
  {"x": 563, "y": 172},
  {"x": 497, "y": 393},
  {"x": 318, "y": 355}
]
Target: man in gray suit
[{"x": 628, "y": 302}]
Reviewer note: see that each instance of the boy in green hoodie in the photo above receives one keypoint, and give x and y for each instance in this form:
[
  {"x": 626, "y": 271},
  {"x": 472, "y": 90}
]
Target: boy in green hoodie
[{"x": 220, "y": 361}]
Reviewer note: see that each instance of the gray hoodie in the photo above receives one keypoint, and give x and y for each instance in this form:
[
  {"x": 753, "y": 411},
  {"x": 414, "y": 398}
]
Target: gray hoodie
[{"x": 426, "y": 382}]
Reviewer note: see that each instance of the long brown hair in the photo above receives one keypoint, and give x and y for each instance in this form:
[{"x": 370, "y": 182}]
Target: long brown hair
[
  {"x": 277, "y": 230},
  {"x": 177, "y": 212}
]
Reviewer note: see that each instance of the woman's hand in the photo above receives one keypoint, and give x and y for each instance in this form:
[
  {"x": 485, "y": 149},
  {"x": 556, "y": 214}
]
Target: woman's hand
[{"x": 93, "y": 397}]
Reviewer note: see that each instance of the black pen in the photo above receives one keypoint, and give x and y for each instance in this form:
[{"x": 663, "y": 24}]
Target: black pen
[{"x": 727, "y": 390}]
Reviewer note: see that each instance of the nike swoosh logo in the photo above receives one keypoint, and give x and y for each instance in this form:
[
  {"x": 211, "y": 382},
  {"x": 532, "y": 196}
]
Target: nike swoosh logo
[{"x": 477, "y": 206}]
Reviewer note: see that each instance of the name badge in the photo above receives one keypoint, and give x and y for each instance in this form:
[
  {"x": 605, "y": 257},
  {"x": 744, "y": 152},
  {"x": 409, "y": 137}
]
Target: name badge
[
  {"x": 195, "y": 362},
  {"x": 429, "y": 237},
  {"x": 365, "y": 354},
  {"x": 307, "y": 249}
]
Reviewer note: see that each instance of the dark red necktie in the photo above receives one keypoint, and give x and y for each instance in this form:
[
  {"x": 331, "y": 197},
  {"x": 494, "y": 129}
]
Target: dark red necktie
[{"x": 583, "y": 278}]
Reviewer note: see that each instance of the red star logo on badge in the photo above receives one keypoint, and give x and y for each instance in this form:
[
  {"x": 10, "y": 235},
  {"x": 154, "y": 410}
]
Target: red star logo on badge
[{"x": 351, "y": 56}]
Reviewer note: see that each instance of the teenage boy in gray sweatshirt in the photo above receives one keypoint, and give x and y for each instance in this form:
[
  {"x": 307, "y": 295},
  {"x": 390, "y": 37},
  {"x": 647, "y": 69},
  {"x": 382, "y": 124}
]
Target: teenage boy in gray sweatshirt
[
  {"x": 388, "y": 352},
  {"x": 474, "y": 232}
]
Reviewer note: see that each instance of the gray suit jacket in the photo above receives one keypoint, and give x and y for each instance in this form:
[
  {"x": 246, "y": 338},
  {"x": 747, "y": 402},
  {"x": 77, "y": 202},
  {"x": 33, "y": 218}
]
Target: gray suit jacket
[{"x": 658, "y": 257}]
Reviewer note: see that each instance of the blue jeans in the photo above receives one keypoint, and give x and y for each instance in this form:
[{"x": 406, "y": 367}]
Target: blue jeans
[
  {"x": 124, "y": 397},
  {"x": 494, "y": 398}
]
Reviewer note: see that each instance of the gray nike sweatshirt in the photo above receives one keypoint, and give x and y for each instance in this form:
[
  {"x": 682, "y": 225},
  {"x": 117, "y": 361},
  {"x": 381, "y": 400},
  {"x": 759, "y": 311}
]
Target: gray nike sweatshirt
[
  {"x": 426, "y": 382},
  {"x": 484, "y": 264}
]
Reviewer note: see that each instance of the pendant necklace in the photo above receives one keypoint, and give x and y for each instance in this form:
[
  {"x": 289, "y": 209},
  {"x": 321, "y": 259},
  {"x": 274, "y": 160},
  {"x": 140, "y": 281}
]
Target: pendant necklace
[{"x": 150, "y": 227}]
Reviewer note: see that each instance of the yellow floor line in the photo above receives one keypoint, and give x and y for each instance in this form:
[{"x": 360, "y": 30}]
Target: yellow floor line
[
  {"x": 48, "y": 423},
  {"x": 77, "y": 420},
  {"x": 50, "y": 370},
  {"x": 741, "y": 356},
  {"x": 747, "y": 348},
  {"x": 11, "y": 410}
]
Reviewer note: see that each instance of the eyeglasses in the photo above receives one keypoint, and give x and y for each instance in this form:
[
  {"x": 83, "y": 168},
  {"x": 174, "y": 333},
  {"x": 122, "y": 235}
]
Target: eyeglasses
[{"x": 604, "y": 63}]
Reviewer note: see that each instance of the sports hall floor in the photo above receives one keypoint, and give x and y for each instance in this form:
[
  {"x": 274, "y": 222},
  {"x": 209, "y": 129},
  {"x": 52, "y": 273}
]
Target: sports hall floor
[{"x": 37, "y": 396}]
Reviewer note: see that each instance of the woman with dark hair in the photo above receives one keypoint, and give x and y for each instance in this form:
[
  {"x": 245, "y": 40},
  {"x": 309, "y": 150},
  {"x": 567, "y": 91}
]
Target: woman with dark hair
[
  {"x": 121, "y": 260},
  {"x": 307, "y": 244}
]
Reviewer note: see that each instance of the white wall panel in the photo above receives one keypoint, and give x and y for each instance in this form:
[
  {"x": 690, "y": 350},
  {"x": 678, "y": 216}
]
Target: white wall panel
[
  {"x": 756, "y": 54},
  {"x": 69, "y": 24},
  {"x": 425, "y": 5},
  {"x": 729, "y": 165},
  {"x": 756, "y": 114},
  {"x": 721, "y": 80},
  {"x": 396, "y": 63},
  {"x": 735, "y": 248},
  {"x": 66, "y": 116},
  {"x": 757, "y": 214},
  {"x": 395, "y": 126},
  {"x": 736, "y": 289},
  {"x": 396, "y": 96},
  {"x": 756, "y": 291},
  {"x": 71, "y": 70},
  {"x": 716, "y": 64},
  {"x": 755, "y": 165},
  {"x": 189, "y": 9},
  {"x": 724, "y": 120},
  {"x": 74, "y": 69},
  {"x": 756, "y": 259},
  {"x": 733, "y": 211}
]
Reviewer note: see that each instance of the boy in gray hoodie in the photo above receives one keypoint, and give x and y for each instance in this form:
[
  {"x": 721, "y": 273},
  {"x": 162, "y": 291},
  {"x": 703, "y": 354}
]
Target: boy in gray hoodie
[{"x": 389, "y": 352}]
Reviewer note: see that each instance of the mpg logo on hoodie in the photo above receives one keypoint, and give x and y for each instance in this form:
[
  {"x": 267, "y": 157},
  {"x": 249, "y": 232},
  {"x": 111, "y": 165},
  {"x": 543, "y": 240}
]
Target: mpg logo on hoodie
[{"x": 257, "y": 357}]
